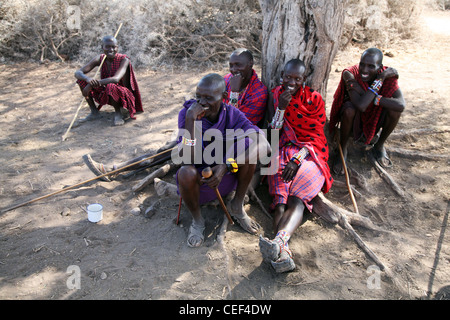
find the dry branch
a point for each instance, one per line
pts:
(386, 177)
(165, 189)
(332, 213)
(159, 173)
(325, 209)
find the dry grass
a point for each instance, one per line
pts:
(157, 32)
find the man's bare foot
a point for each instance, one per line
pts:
(238, 212)
(118, 120)
(381, 156)
(338, 167)
(125, 113)
(195, 237)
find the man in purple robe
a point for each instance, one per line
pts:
(232, 154)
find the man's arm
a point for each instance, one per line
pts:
(81, 74)
(361, 100)
(119, 74)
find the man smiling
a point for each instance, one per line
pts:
(207, 113)
(244, 89)
(298, 112)
(118, 85)
(367, 99)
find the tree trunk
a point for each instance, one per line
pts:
(305, 29)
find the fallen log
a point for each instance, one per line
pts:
(159, 173)
(165, 189)
(385, 176)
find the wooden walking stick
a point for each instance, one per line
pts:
(64, 137)
(84, 182)
(206, 173)
(347, 179)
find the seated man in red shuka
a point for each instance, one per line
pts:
(117, 87)
(298, 114)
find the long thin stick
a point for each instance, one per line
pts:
(64, 137)
(206, 173)
(347, 179)
(84, 182)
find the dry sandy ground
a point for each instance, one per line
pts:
(129, 256)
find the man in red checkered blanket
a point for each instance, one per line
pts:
(367, 99)
(118, 85)
(298, 112)
(245, 91)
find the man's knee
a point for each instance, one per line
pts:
(85, 91)
(394, 115)
(187, 175)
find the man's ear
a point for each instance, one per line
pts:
(224, 95)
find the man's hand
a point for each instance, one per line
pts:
(94, 83)
(218, 172)
(196, 111)
(236, 82)
(388, 73)
(284, 99)
(289, 171)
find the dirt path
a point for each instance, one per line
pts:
(128, 256)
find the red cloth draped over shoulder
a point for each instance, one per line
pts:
(371, 116)
(304, 120)
(127, 92)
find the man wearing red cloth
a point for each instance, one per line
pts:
(118, 85)
(298, 112)
(367, 99)
(245, 91)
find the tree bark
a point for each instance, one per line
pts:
(305, 29)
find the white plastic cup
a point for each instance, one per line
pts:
(95, 212)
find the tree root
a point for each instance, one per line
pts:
(386, 177)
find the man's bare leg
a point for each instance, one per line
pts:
(379, 151)
(95, 114)
(189, 186)
(236, 206)
(347, 118)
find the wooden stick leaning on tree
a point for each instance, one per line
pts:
(64, 137)
(84, 182)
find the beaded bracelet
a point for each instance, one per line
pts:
(373, 91)
(234, 98)
(232, 165)
(188, 142)
(377, 99)
(299, 156)
(277, 120)
(377, 84)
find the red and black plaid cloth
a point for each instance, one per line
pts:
(304, 120)
(252, 101)
(129, 97)
(371, 116)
